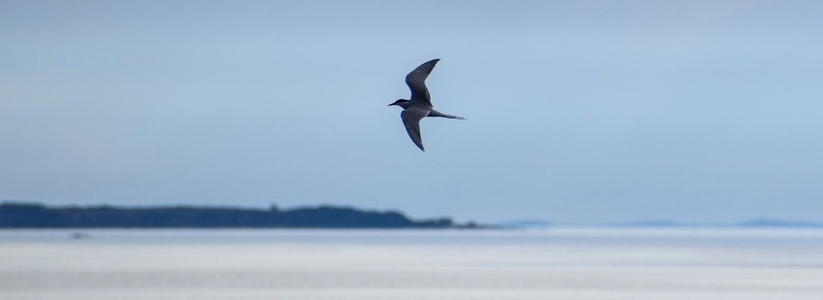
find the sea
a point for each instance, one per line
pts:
(545, 263)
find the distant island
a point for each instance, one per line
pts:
(779, 223)
(35, 215)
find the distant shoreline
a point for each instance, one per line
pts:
(27, 215)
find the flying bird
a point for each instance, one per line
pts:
(420, 105)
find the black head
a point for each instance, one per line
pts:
(399, 102)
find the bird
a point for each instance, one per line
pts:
(419, 105)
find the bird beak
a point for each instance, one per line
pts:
(390, 104)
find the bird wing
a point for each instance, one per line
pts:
(411, 119)
(417, 82)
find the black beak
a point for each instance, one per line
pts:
(390, 104)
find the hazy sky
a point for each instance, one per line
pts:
(578, 111)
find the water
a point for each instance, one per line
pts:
(398, 264)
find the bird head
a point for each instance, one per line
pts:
(400, 102)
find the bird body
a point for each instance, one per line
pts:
(419, 105)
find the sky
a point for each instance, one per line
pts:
(577, 111)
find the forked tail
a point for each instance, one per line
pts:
(434, 113)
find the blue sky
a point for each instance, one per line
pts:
(578, 111)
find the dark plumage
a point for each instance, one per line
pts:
(419, 106)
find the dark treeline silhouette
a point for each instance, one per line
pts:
(34, 215)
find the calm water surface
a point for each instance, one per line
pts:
(395, 264)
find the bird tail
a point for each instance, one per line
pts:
(434, 113)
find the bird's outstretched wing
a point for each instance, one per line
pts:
(417, 82)
(411, 119)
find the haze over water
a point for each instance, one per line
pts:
(579, 112)
(553, 263)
